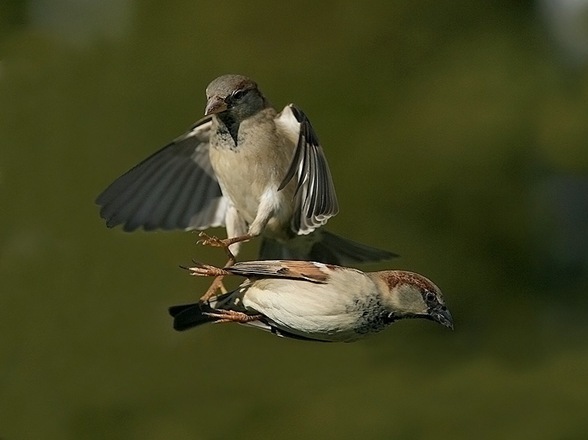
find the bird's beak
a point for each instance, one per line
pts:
(215, 104)
(442, 316)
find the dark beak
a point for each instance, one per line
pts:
(215, 104)
(442, 316)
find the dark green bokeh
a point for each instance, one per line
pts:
(457, 137)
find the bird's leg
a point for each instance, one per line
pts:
(217, 284)
(232, 316)
(206, 270)
(224, 243)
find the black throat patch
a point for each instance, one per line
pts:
(229, 126)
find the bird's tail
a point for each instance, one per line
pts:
(187, 316)
(324, 247)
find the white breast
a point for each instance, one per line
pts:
(250, 173)
(328, 312)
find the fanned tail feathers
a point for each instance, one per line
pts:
(324, 247)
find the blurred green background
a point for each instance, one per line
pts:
(456, 132)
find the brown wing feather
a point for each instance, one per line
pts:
(296, 270)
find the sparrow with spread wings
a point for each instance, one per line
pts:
(246, 167)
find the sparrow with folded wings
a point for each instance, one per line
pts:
(246, 167)
(315, 301)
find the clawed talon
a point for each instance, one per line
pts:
(210, 240)
(231, 316)
(207, 240)
(205, 270)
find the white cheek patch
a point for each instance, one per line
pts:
(410, 300)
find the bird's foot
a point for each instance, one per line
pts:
(232, 316)
(211, 240)
(207, 240)
(205, 270)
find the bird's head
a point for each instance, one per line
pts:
(235, 95)
(410, 295)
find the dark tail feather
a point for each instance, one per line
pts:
(324, 247)
(275, 250)
(190, 315)
(343, 252)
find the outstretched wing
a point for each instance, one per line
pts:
(175, 188)
(291, 269)
(316, 200)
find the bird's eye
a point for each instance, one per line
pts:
(430, 297)
(238, 94)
